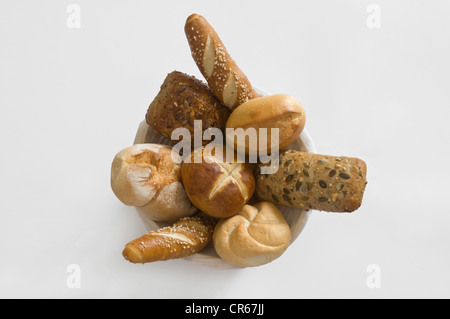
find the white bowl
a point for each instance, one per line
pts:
(296, 218)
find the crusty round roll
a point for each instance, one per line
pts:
(314, 181)
(181, 101)
(217, 187)
(257, 235)
(225, 78)
(146, 176)
(184, 238)
(280, 111)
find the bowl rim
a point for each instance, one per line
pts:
(208, 257)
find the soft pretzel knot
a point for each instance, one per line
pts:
(257, 235)
(225, 78)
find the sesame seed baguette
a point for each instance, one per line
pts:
(184, 238)
(225, 78)
(314, 181)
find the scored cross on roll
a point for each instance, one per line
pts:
(216, 186)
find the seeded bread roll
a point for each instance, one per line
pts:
(225, 78)
(314, 181)
(181, 100)
(184, 238)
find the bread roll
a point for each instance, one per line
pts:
(281, 111)
(145, 176)
(314, 181)
(225, 78)
(215, 186)
(181, 100)
(257, 235)
(186, 237)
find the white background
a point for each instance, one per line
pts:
(70, 99)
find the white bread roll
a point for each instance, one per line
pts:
(145, 176)
(280, 111)
(257, 235)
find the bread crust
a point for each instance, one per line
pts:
(257, 235)
(215, 186)
(145, 176)
(315, 181)
(184, 238)
(223, 75)
(280, 111)
(182, 99)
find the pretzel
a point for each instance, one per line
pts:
(225, 78)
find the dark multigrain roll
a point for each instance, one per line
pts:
(181, 100)
(314, 181)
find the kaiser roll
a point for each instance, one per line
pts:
(257, 235)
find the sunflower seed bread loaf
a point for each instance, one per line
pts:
(314, 181)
